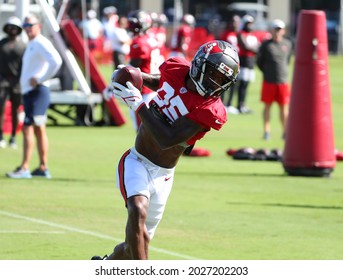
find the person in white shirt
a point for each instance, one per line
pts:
(41, 62)
(120, 42)
(109, 20)
(92, 29)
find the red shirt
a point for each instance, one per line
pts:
(252, 42)
(145, 48)
(174, 99)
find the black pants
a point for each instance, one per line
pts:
(242, 93)
(15, 97)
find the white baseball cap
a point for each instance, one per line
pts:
(110, 10)
(91, 14)
(278, 24)
(14, 21)
(247, 19)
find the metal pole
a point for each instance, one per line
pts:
(22, 8)
(340, 30)
(67, 56)
(85, 41)
(62, 11)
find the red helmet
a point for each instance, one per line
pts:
(139, 21)
(214, 68)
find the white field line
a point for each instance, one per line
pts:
(91, 233)
(32, 231)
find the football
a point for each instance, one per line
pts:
(128, 74)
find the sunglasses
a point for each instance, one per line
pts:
(28, 24)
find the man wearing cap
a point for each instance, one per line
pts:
(273, 59)
(11, 52)
(41, 62)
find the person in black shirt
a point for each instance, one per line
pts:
(273, 60)
(11, 52)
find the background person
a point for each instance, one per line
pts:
(186, 107)
(109, 20)
(182, 37)
(41, 62)
(158, 31)
(273, 60)
(93, 30)
(120, 42)
(248, 46)
(230, 36)
(11, 52)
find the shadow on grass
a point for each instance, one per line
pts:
(231, 174)
(290, 205)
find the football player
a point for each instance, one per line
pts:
(186, 107)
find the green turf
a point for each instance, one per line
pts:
(219, 208)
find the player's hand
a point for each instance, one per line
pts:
(129, 94)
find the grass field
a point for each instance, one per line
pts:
(219, 208)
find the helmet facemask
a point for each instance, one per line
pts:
(212, 81)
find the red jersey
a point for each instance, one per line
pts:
(145, 48)
(252, 42)
(174, 99)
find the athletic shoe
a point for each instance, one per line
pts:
(41, 173)
(98, 258)
(3, 144)
(12, 143)
(232, 110)
(266, 136)
(245, 110)
(19, 173)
